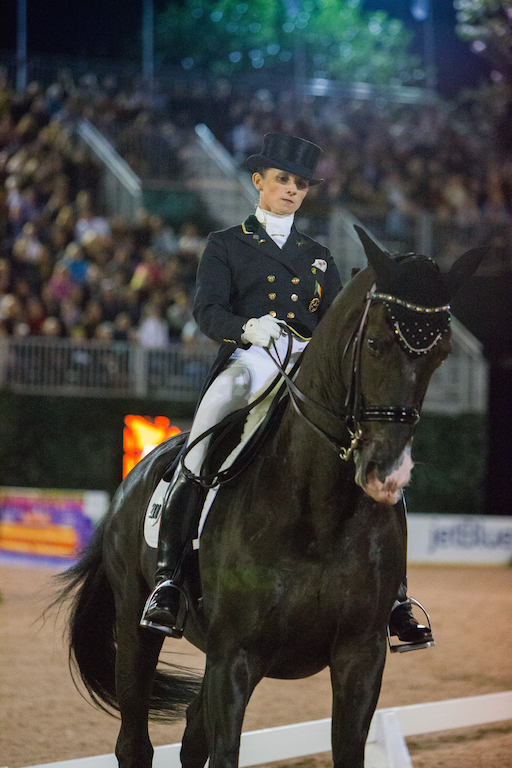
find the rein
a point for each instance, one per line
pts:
(355, 412)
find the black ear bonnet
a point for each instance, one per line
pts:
(417, 303)
(416, 293)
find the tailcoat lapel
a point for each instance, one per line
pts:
(254, 234)
(297, 245)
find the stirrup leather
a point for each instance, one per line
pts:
(400, 647)
(175, 631)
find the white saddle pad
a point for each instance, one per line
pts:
(154, 508)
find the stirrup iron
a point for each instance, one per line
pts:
(179, 625)
(403, 647)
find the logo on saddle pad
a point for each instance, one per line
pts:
(154, 513)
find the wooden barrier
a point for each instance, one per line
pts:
(385, 747)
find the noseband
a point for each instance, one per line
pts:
(356, 413)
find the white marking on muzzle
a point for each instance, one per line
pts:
(390, 490)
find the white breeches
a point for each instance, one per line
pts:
(248, 372)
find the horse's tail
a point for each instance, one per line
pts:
(91, 622)
(92, 639)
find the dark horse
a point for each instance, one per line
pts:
(301, 556)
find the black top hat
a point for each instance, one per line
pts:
(288, 153)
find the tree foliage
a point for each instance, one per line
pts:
(317, 38)
(487, 24)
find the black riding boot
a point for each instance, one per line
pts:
(402, 623)
(178, 525)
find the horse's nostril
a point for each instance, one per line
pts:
(372, 468)
(376, 469)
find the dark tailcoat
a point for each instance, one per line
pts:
(244, 274)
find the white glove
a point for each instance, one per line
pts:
(259, 331)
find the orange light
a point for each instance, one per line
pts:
(141, 434)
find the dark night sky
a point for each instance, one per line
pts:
(109, 29)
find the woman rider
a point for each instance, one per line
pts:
(252, 279)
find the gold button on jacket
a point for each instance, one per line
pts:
(243, 274)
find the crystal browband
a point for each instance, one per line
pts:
(407, 305)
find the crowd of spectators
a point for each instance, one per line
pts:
(399, 159)
(445, 158)
(448, 159)
(67, 270)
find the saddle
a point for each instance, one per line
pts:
(225, 436)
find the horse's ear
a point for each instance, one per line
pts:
(464, 268)
(381, 261)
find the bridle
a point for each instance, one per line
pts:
(355, 412)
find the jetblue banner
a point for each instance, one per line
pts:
(472, 539)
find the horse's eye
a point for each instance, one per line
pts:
(378, 346)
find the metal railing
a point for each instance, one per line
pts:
(120, 187)
(39, 366)
(424, 233)
(149, 144)
(460, 385)
(45, 69)
(226, 191)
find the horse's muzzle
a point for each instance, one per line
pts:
(383, 481)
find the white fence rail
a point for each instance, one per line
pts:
(385, 747)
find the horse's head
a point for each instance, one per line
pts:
(401, 337)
